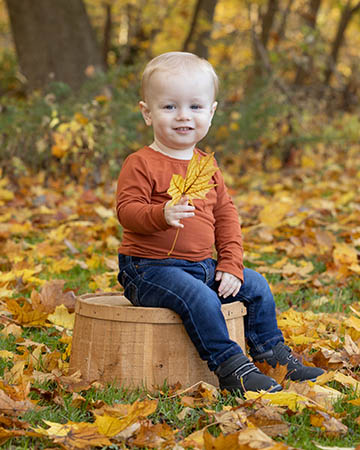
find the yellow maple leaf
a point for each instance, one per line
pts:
(295, 402)
(110, 425)
(196, 183)
(62, 317)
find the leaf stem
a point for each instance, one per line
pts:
(173, 245)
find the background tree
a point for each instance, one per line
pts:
(306, 63)
(53, 40)
(264, 22)
(347, 14)
(197, 39)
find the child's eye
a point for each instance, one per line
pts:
(195, 106)
(170, 107)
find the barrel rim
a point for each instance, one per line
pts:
(95, 306)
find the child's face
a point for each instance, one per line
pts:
(179, 106)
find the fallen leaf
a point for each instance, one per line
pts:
(74, 435)
(328, 424)
(61, 317)
(154, 436)
(231, 421)
(278, 372)
(228, 442)
(24, 314)
(52, 295)
(15, 408)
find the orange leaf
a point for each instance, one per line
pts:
(24, 314)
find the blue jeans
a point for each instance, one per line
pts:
(189, 288)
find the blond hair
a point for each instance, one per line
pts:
(174, 61)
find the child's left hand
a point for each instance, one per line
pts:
(229, 284)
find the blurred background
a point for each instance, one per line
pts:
(70, 70)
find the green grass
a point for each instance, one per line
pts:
(301, 435)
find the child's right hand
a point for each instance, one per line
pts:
(182, 210)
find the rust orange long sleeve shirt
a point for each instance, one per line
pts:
(141, 196)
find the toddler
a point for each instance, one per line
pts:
(178, 101)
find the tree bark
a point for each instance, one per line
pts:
(344, 21)
(107, 33)
(282, 27)
(260, 40)
(54, 40)
(268, 20)
(310, 18)
(197, 40)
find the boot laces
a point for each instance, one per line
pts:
(286, 351)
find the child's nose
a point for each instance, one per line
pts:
(183, 114)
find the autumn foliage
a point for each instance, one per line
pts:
(59, 240)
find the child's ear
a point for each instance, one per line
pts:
(146, 113)
(213, 109)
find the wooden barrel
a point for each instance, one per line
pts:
(135, 346)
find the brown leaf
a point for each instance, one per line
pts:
(14, 408)
(11, 329)
(231, 421)
(154, 436)
(269, 420)
(328, 424)
(52, 295)
(8, 434)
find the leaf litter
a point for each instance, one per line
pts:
(309, 219)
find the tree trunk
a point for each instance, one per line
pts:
(268, 20)
(54, 41)
(310, 19)
(345, 19)
(107, 33)
(198, 37)
(260, 41)
(282, 27)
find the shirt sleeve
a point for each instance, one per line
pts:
(228, 237)
(134, 206)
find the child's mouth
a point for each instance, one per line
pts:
(183, 129)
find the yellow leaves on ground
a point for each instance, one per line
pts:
(74, 435)
(24, 314)
(115, 420)
(61, 317)
(295, 402)
(272, 215)
(196, 183)
(306, 220)
(51, 298)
